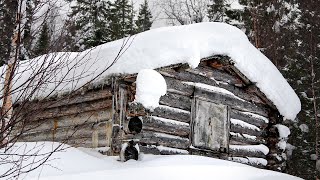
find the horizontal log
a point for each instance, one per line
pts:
(176, 101)
(217, 75)
(176, 86)
(239, 129)
(72, 109)
(207, 153)
(157, 139)
(65, 133)
(71, 120)
(77, 142)
(245, 139)
(161, 150)
(231, 101)
(172, 113)
(149, 150)
(209, 76)
(85, 142)
(257, 120)
(252, 161)
(188, 75)
(70, 99)
(168, 126)
(251, 97)
(246, 151)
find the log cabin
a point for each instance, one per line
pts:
(216, 108)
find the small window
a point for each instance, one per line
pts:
(210, 125)
(135, 125)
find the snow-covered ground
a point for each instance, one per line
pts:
(80, 163)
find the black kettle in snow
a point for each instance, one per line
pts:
(129, 150)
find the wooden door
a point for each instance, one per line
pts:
(210, 125)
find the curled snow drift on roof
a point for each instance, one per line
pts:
(171, 45)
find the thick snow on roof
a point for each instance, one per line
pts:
(162, 47)
(150, 87)
(82, 164)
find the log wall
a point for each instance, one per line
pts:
(167, 129)
(100, 117)
(81, 120)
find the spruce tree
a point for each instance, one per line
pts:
(144, 20)
(121, 19)
(27, 36)
(91, 23)
(8, 11)
(42, 45)
(217, 11)
(303, 72)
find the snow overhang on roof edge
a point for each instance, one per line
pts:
(159, 48)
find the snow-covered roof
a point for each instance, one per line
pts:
(159, 48)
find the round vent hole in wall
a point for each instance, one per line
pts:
(135, 125)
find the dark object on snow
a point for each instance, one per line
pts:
(135, 125)
(131, 152)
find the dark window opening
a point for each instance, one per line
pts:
(135, 125)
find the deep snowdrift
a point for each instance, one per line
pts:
(79, 164)
(162, 47)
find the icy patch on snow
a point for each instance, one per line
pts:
(150, 87)
(254, 148)
(244, 124)
(163, 47)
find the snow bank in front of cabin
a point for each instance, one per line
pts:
(162, 47)
(150, 86)
(83, 164)
(65, 160)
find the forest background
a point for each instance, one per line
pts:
(286, 31)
